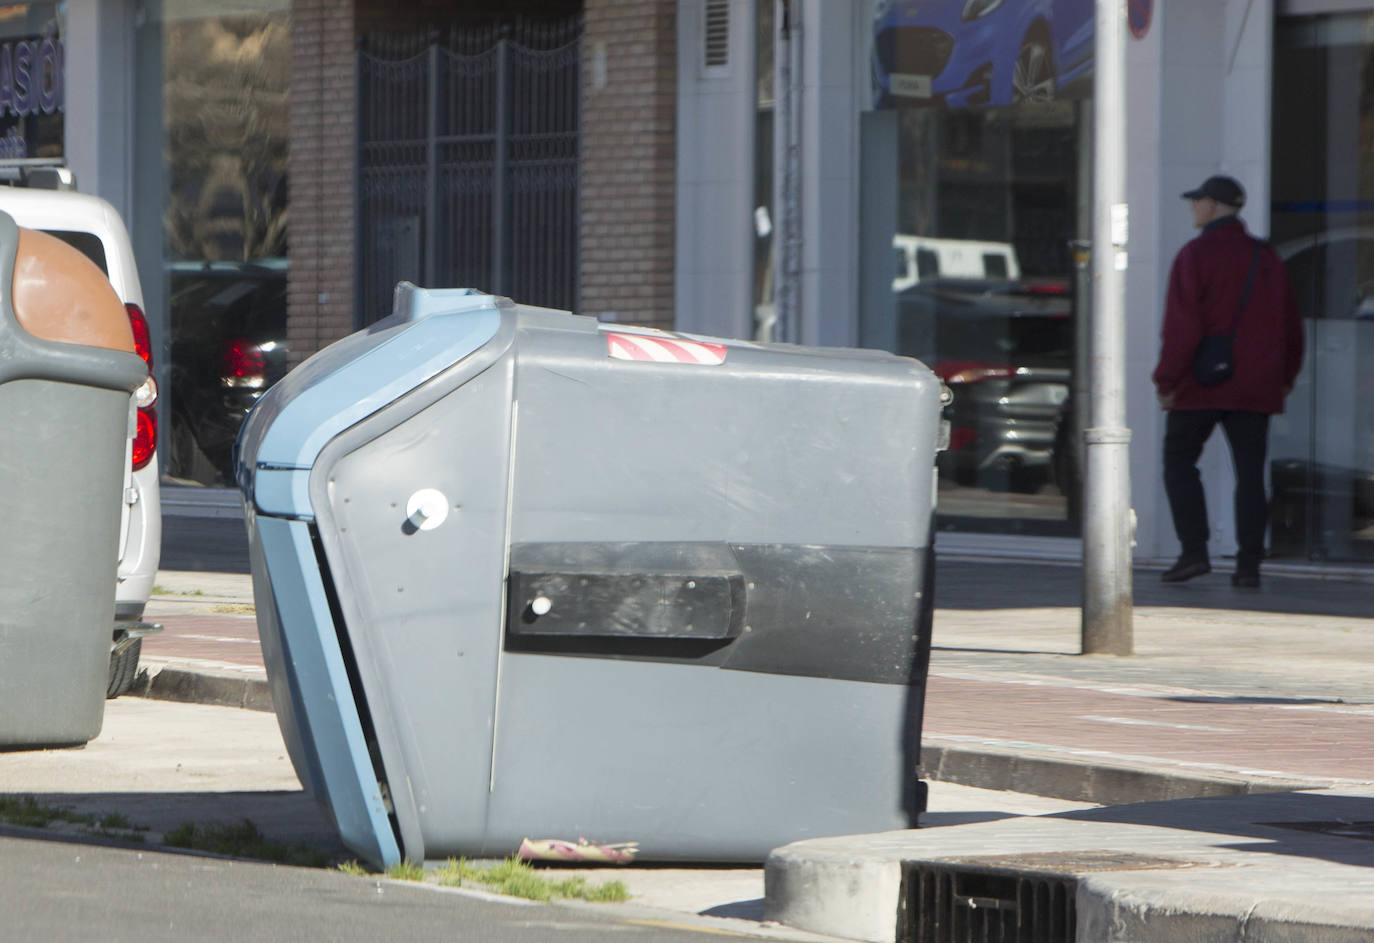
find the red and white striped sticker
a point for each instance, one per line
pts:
(664, 348)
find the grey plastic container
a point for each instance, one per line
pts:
(512, 584)
(67, 412)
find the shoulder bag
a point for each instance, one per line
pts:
(1213, 363)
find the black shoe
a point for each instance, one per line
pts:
(1242, 580)
(1186, 568)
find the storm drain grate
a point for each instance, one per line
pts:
(946, 903)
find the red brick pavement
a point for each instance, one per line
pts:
(1214, 735)
(1207, 735)
(231, 639)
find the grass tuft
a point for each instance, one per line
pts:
(242, 841)
(516, 878)
(30, 813)
(406, 871)
(352, 867)
(234, 609)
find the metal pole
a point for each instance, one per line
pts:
(362, 316)
(431, 207)
(1107, 603)
(500, 189)
(788, 234)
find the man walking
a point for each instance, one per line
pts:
(1224, 282)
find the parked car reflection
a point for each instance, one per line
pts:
(968, 53)
(228, 347)
(1005, 347)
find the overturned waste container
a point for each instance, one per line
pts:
(67, 372)
(520, 575)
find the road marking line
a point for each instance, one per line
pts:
(1136, 722)
(214, 638)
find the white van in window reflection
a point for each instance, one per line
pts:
(921, 257)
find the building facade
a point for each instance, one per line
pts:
(882, 173)
(928, 189)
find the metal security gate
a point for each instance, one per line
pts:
(468, 171)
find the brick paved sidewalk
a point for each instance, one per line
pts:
(1091, 721)
(222, 640)
(1194, 734)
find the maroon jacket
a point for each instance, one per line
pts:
(1205, 285)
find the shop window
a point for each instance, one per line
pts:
(979, 135)
(215, 89)
(1322, 446)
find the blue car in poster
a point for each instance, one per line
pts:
(972, 53)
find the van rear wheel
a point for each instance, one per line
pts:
(123, 670)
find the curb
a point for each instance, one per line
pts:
(857, 893)
(218, 688)
(1061, 776)
(1055, 775)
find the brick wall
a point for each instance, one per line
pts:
(628, 160)
(628, 177)
(319, 283)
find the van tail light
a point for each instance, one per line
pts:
(242, 365)
(145, 442)
(143, 344)
(145, 439)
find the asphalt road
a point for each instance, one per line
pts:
(67, 890)
(204, 544)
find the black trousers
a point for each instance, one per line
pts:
(1247, 433)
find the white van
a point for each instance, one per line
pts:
(92, 225)
(920, 257)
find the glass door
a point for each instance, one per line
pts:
(1322, 448)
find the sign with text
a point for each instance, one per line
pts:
(32, 82)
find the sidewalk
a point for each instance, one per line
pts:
(1275, 691)
(1230, 693)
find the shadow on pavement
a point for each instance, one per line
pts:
(739, 910)
(1335, 828)
(943, 819)
(983, 585)
(288, 817)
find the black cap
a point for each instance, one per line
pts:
(1222, 189)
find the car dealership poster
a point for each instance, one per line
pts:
(32, 81)
(981, 53)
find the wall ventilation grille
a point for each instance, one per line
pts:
(717, 34)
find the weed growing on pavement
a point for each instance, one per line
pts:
(242, 841)
(164, 591)
(406, 871)
(234, 609)
(517, 878)
(30, 813)
(353, 868)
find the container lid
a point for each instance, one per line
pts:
(60, 319)
(348, 381)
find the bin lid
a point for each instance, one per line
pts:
(60, 319)
(427, 332)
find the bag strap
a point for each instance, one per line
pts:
(1249, 283)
